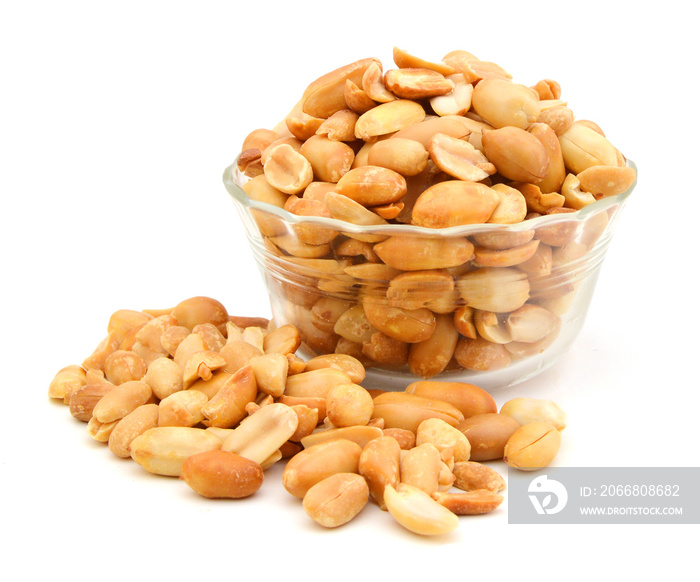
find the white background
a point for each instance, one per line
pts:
(117, 121)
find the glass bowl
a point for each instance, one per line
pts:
(489, 304)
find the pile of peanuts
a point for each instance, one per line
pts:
(214, 399)
(430, 144)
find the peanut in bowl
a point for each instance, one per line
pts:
(489, 304)
(434, 220)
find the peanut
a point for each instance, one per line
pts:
(220, 474)
(337, 499)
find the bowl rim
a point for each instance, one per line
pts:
(233, 179)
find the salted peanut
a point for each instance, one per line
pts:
(459, 158)
(388, 118)
(262, 433)
(488, 434)
(147, 343)
(163, 450)
(502, 240)
(491, 326)
(527, 410)
(302, 125)
(524, 349)
(533, 446)
(249, 162)
(405, 325)
(385, 350)
(283, 340)
(409, 253)
(405, 156)
(499, 289)
(359, 434)
(372, 185)
(259, 189)
(503, 103)
(348, 404)
(431, 356)
(270, 372)
(536, 199)
(511, 207)
(316, 402)
(373, 84)
(405, 437)
(540, 264)
(182, 408)
(354, 325)
(417, 511)
(307, 420)
(603, 181)
(574, 197)
(356, 98)
(340, 126)
(444, 437)
(583, 147)
(547, 89)
(198, 310)
(289, 140)
(82, 401)
(316, 463)
(420, 467)
(132, 425)
(96, 360)
(315, 383)
(67, 381)
(485, 257)
(172, 337)
(464, 321)
(455, 126)
(556, 171)
(238, 354)
(227, 407)
(343, 362)
(480, 355)
(473, 476)
(329, 159)
(558, 118)
(213, 338)
(164, 376)
(467, 398)
(326, 95)
(517, 154)
(189, 346)
(530, 323)
(219, 474)
(351, 247)
(458, 102)
(379, 464)
(389, 211)
(454, 202)
(201, 365)
(326, 312)
(259, 139)
(318, 190)
(476, 502)
(560, 233)
(337, 499)
(121, 400)
(124, 320)
(407, 411)
(100, 431)
(344, 208)
(475, 70)
(254, 336)
(417, 83)
(406, 60)
(287, 170)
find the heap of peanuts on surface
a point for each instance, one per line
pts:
(435, 145)
(214, 399)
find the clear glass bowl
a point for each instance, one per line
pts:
(377, 292)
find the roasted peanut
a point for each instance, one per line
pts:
(488, 434)
(337, 499)
(417, 511)
(163, 450)
(220, 474)
(532, 446)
